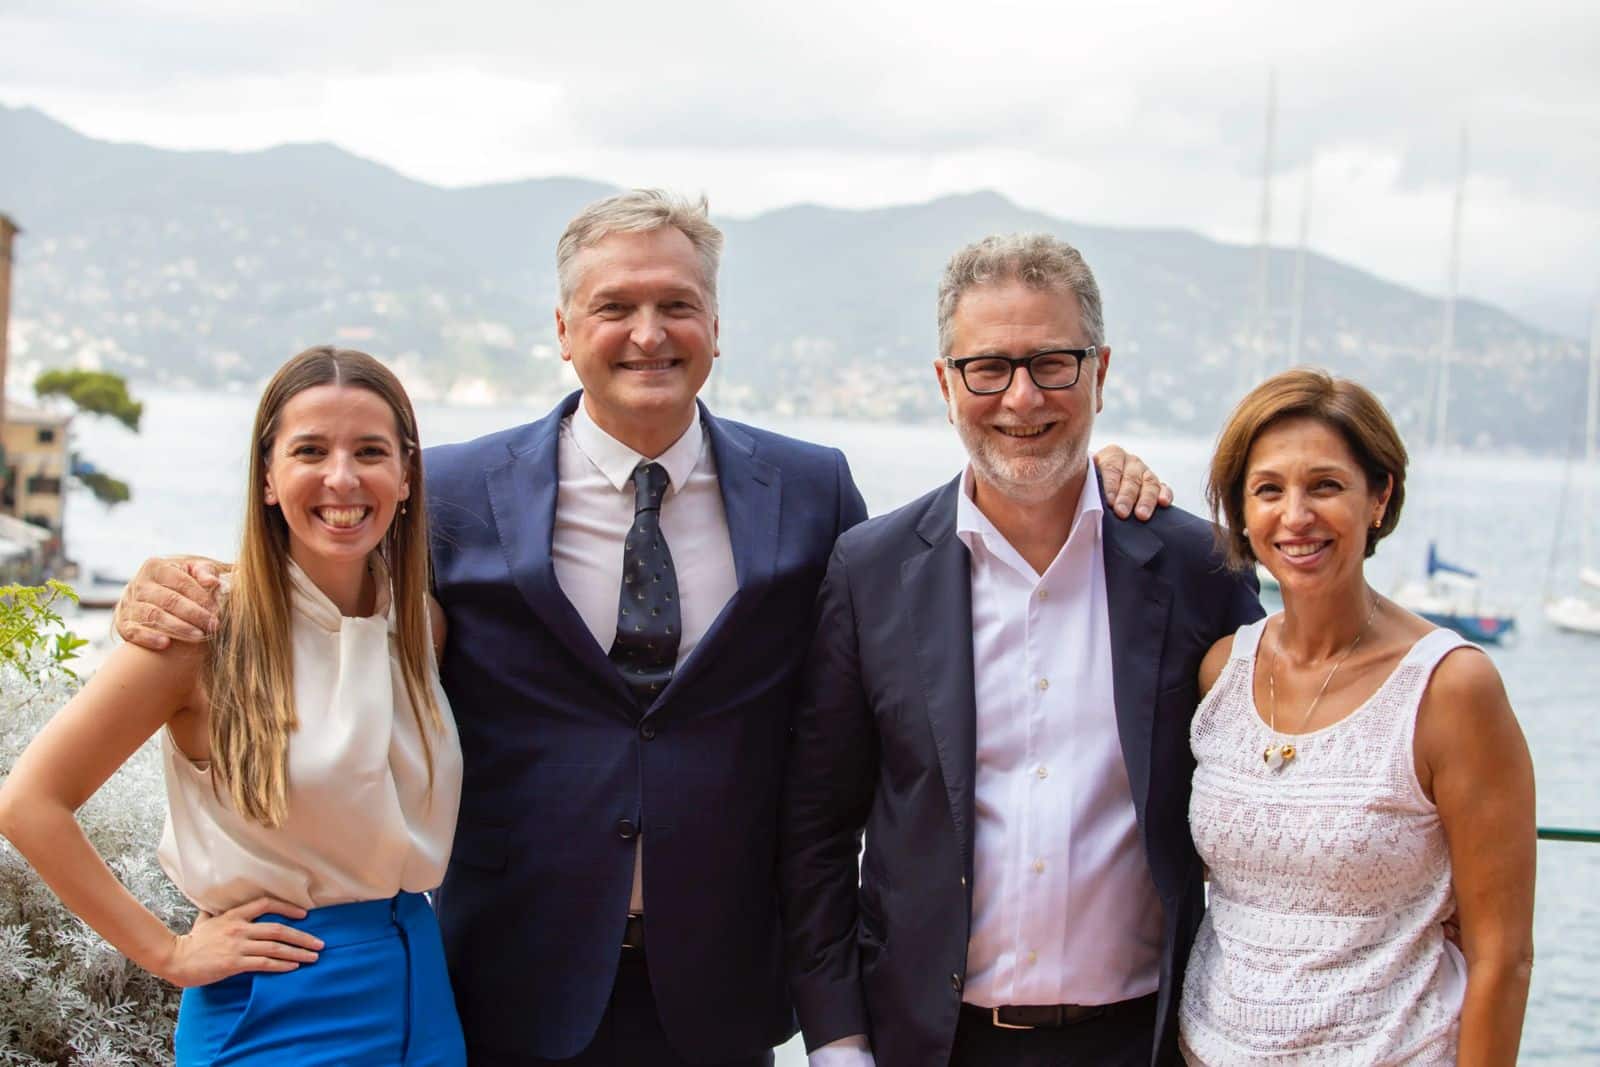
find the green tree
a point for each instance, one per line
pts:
(95, 392)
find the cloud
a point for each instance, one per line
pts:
(1137, 113)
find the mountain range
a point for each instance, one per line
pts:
(209, 268)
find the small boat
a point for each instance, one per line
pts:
(1449, 596)
(1579, 611)
(1269, 584)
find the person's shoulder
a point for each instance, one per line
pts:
(773, 447)
(1466, 677)
(1181, 529)
(904, 525)
(470, 458)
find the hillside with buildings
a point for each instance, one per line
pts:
(210, 268)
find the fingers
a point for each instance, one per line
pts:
(204, 571)
(1110, 461)
(166, 598)
(262, 905)
(268, 964)
(290, 938)
(1150, 488)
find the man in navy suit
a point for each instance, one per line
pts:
(629, 585)
(998, 693)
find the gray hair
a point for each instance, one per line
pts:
(639, 211)
(1037, 260)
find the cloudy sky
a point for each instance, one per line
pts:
(1129, 112)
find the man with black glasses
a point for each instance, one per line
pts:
(998, 692)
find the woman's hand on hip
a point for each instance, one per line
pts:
(220, 946)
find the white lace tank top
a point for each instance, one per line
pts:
(1322, 941)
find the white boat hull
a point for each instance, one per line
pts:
(1575, 613)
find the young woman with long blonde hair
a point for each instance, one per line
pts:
(312, 767)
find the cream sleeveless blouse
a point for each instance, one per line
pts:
(1322, 941)
(362, 822)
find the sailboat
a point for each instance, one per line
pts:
(1580, 612)
(1448, 595)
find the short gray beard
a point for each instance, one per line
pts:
(1029, 480)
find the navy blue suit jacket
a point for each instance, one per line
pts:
(885, 739)
(562, 765)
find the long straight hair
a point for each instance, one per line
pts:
(250, 673)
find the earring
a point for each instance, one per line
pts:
(402, 507)
(1377, 523)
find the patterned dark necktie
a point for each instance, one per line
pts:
(646, 648)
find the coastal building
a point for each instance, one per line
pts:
(33, 480)
(34, 461)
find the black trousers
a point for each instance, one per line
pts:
(630, 1033)
(1121, 1038)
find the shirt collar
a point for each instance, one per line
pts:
(974, 527)
(617, 461)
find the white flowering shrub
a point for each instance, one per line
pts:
(67, 997)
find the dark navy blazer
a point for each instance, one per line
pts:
(563, 767)
(885, 738)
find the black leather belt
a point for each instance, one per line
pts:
(1039, 1016)
(633, 934)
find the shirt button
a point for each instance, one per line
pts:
(1044, 683)
(1038, 866)
(648, 731)
(1043, 772)
(1033, 957)
(963, 880)
(1044, 594)
(626, 830)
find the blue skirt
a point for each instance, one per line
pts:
(378, 995)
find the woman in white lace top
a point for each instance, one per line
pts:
(1360, 776)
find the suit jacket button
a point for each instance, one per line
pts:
(955, 982)
(626, 830)
(648, 731)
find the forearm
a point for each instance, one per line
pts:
(1491, 1014)
(49, 837)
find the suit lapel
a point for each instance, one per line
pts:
(751, 493)
(522, 496)
(938, 587)
(1138, 601)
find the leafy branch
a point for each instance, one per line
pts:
(34, 638)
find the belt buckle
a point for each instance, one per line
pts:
(994, 1017)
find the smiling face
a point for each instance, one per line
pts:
(641, 331)
(1027, 444)
(337, 473)
(1308, 506)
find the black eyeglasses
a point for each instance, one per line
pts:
(1058, 368)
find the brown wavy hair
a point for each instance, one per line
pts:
(1340, 404)
(249, 675)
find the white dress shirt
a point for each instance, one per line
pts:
(594, 511)
(1064, 908)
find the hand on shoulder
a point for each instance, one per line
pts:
(170, 599)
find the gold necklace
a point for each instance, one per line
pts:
(1276, 755)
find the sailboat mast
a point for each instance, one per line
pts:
(1448, 342)
(1590, 427)
(1264, 233)
(1297, 323)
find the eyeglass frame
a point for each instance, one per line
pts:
(1080, 354)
